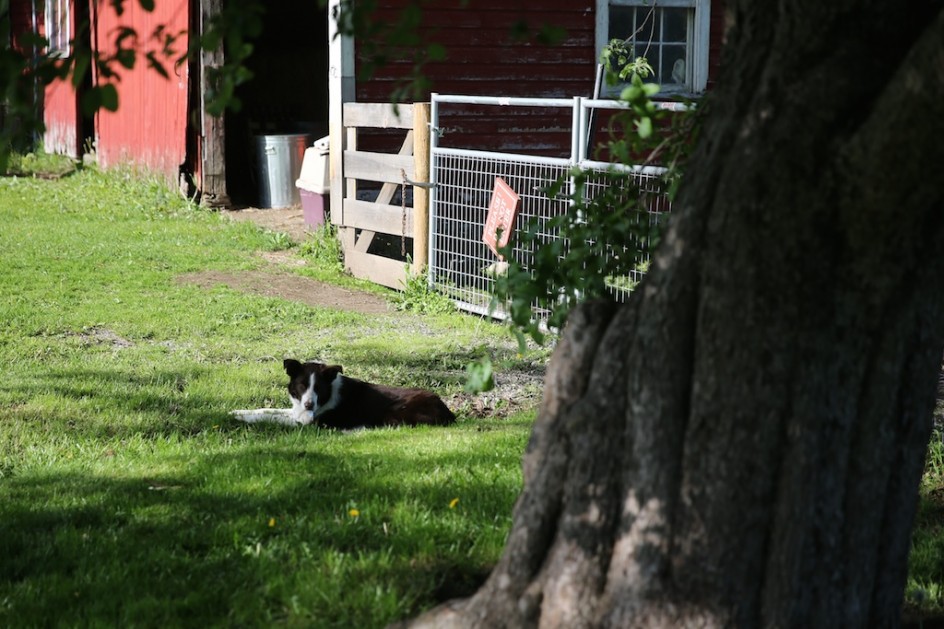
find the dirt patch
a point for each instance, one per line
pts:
(291, 287)
(274, 283)
(288, 221)
(515, 389)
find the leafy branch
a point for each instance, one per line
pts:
(604, 238)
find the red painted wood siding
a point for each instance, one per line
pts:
(61, 117)
(60, 105)
(715, 40)
(483, 59)
(149, 128)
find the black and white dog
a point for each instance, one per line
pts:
(322, 395)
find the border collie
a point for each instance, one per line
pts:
(321, 394)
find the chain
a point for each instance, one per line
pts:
(403, 218)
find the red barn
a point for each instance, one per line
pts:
(301, 76)
(499, 48)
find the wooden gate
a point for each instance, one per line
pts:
(359, 221)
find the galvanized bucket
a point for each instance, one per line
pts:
(279, 163)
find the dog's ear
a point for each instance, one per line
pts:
(331, 372)
(292, 367)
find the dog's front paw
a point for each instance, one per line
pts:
(304, 418)
(250, 417)
(266, 415)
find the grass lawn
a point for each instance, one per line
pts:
(128, 497)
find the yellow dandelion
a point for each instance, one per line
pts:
(353, 513)
(271, 522)
(453, 503)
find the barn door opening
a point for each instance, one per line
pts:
(288, 93)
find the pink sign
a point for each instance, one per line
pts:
(502, 212)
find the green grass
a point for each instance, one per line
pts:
(924, 593)
(39, 164)
(129, 497)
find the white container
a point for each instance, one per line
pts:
(314, 183)
(315, 175)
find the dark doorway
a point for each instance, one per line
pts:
(287, 94)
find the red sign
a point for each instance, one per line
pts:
(502, 212)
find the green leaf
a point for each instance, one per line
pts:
(436, 52)
(551, 35)
(644, 127)
(479, 376)
(83, 59)
(211, 40)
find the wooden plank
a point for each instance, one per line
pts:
(364, 241)
(377, 166)
(350, 185)
(378, 115)
(346, 235)
(341, 89)
(387, 219)
(389, 189)
(377, 269)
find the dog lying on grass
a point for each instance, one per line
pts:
(322, 395)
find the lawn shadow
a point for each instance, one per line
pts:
(239, 537)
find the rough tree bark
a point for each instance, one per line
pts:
(741, 444)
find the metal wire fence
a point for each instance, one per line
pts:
(461, 265)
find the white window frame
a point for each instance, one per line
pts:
(58, 20)
(699, 31)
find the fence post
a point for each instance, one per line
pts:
(420, 193)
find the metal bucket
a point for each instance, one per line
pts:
(279, 163)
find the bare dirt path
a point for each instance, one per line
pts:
(271, 283)
(275, 283)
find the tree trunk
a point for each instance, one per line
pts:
(741, 444)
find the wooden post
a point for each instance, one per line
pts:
(420, 193)
(340, 91)
(213, 134)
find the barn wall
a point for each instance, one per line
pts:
(715, 41)
(61, 116)
(483, 59)
(60, 105)
(149, 128)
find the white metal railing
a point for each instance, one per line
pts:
(460, 264)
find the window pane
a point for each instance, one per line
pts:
(647, 25)
(57, 25)
(621, 23)
(660, 35)
(673, 65)
(676, 25)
